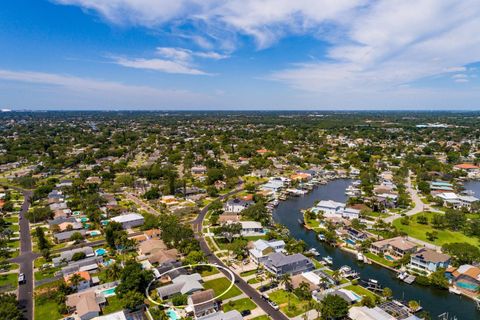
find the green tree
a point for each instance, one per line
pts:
(333, 307)
(9, 307)
(132, 300)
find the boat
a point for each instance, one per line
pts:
(360, 257)
(321, 237)
(402, 275)
(373, 281)
(327, 260)
(313, 251)
(454, 290)
(409, 279)
(301, 222)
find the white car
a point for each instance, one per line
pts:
(21, 278)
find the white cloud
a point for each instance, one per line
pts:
(94, 92)
(161, 65)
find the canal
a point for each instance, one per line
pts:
(434, 301)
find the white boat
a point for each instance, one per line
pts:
(373, 281)
(454, 290)
(321, 237)
(360, 257)
(328, 260)
(313, 251)
(402, 275)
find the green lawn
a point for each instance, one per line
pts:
(8, 282)
(114, 304)
(45, 274)
(209, 272)
(264, 317)
(253, 281)
(220, 285)
(296, 307)
(361, 291)
(418, 231)
(378, 259)
(46, 309)
(239, 305)
(248, 273)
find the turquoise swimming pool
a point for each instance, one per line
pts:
(100, 252)
(390, 258)
(172, 314)
(467, 285)
(109, 292)
(95, 233)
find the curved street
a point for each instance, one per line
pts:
(243, 285)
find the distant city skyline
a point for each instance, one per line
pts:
(240, 55)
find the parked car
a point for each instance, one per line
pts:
(21, 278)
(273, 305)
(245, 313)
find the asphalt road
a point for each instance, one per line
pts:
(25, 259)
(243, 285)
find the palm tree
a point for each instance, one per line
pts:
(75, 280)
(286, 280)
(271, 277)
(336, 275)
(114, 271)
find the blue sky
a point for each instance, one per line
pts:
(239, 54)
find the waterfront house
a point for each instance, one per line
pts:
(429, 260)
(471, 169)
(354, 235)
(236, 205)
(280, 264)
(251, 228)
(365, 313)
(273, 185)
(345, 294)
(202, 303)
(349, 213)
(129, 220)
(328, 207)
(465, 277)
(398, 246)
(262, 248)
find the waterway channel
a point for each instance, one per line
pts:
(435, 301)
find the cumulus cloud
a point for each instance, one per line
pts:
(374, 46)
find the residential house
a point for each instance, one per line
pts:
(366, 313)
(65, 236)
(129, 220)
(199, 170)
(328, 207)
(466, 277)
(66, 256)
(280, 264)
(345, 294)
(203, 303)
(85, 282)
(429, 260)
(261, 249)
(220, 315)
(251, 228)
(298, 279)
(86, 305)
(236, 205)
(471, 169)
(398, 246)
(354, 236)
(184, 284)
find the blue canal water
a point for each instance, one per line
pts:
(433, 300)
(473, 185)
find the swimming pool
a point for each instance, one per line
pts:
(100, 252)
(172, 314)
(467, 285)
(390, 258)
(108, 292)
(350, 241)
(95, 233)
(84, 219)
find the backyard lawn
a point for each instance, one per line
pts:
(361, 291)
(46, 308)
(114, 304)
(281, 298)
(378, 259)
(417, 230)
(220, 285)
(239, 305)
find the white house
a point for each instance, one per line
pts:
(251, 228)
(236, 205)
(328, 207)
(261, 249)
(349, 213)
(129, 220)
